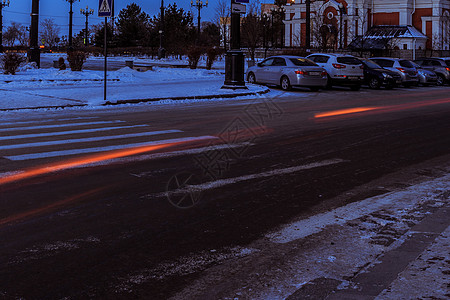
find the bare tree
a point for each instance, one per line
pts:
(49, 33)
(361, 18)
(323, 35)
(23, 36)
(252, 28)
(222, 19)
(11, 34)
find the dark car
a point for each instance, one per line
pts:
(375, 76)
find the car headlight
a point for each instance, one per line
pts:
(386, 75)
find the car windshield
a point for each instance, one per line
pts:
(348, 60)
(406, 64)
(417, 66)
(371, 64)
(302, 62)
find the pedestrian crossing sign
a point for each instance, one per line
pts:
(105, 8)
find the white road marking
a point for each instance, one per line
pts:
(60, 125)
(89, 139)
(46, 121)
(35, 135)
(103, 149)
(223, 182)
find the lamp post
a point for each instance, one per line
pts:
(280, 13)
(308, 25)
(161, 50)
(3, 3)
(341, 15)
(199, 5)
(86, 12)
(265, 19)
(34, 52)
(70, 22)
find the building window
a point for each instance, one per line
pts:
(405, 46)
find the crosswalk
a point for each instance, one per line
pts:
(65, 137)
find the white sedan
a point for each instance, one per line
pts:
(288, 71)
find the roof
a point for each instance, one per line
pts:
(378, 37)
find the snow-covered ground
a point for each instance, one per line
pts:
(46, 87)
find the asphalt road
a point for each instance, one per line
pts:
(215, 175)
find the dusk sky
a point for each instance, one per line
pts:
(19, 11)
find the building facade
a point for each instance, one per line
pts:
(348, 19)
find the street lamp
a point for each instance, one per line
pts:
(70, 22)
(342, 11)
(265, 19)
(308, 25)
(87, 12)
(34, 54)
(3, 3)
(161, 50)
(199, 5)
(280, 12)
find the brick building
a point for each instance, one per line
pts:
(429, 17)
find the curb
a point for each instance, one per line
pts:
(134, 101)
(59, 80)
(43, 107)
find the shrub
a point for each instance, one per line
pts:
(212, 54)
(61, 64)
(76, 60)
(194, 53)
(11, 61)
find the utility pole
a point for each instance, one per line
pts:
(199, 5)
(34, 52)
(308, 25)
(3, 3)
(70, 23)
(161, 50)
(86, 12)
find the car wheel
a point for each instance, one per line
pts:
(314, 88)
(329, 84)
(440, 80)
(285, 83)
(374, 83)
(407, 85)
(251, 78)
(355, 87)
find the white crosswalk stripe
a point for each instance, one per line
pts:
(42, 139)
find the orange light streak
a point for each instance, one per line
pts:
(40, 210)
(80, 162)
(345, 112)
(381, 109)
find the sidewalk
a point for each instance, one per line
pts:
(51, 88)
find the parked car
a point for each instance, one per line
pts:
(403, 67)
(375, 76)
(426, 77)
(441, 66)
(343, 70)
(288, 71)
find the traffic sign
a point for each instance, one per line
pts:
(238, 8)
(105, 8)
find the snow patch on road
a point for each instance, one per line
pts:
(406, 199)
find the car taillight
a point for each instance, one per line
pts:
(300, 72)
(324, 73)
(339, 66)
(401, 70)
(448, 69)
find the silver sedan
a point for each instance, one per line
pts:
(288, 71)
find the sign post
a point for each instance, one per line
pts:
(105, 9)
